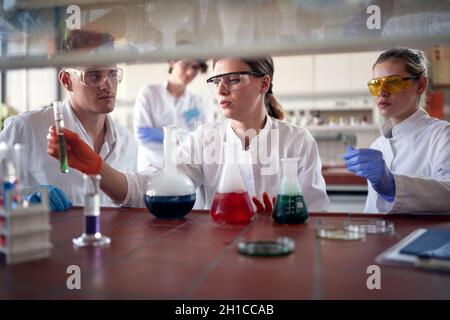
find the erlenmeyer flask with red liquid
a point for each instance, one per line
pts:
(231, 202)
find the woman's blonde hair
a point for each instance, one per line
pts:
(415, 61)
(265, 65)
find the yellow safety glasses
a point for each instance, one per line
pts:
(391, 84)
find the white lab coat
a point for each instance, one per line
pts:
(259, 165)
(31, 129)
(155, 107)
(417, 151)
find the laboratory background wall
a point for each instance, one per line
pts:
(325, 93)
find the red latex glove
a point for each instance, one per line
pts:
(268, 205)
(80, 154)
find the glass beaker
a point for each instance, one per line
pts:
(337, 230)
(231, 201)
(370, 226)
(7, 170)
(231, 14)
(14, 172)
(91, 236)
(170, 194)
(290, 207)
(170, 17)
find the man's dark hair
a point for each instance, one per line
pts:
(202, 63)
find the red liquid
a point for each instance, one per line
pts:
(232, 207)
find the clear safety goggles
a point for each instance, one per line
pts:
(97, 77)
(232, 81)
(391, 84)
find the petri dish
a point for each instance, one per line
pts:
(370, 226)
(337, 231)
(267, 248)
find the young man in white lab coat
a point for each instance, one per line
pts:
(408, 167)
(91, 94)
(169, 103)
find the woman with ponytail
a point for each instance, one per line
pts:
(253, 123)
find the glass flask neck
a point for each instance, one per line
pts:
(231, 179)
(91, 194)
(92, 183)
(289, 180)
(169, 149)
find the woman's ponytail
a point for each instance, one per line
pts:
(273, 106)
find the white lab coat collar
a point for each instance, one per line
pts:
(165, 86)
(405, 127)
(230, 135)
(248, 158)
(110, 137)
(71, 120)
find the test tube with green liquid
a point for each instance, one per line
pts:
(62, 151)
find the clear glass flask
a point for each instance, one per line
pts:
(91, 236)
(7, 171)
(13, 172)
(231, 201)
(169, 17)
(22, 187)
(290, 207)
(170, 194)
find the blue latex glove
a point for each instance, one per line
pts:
(369, 163)
(57, 198)
(147, 134)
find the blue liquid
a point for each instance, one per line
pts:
(9, 187)
(91, 224)
(169, 207)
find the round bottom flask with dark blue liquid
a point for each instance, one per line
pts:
(170, 194)
(169, 207)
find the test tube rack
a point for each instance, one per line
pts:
(24, 230)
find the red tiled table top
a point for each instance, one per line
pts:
(342, 176)
(196, 258)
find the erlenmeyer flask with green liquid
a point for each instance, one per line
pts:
(290, 207)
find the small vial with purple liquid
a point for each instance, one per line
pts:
(91, 236)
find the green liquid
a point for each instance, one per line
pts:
(62, 154)
(290, 209)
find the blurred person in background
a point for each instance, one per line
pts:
(169, 103)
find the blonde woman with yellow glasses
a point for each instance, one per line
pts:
(408, 167)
